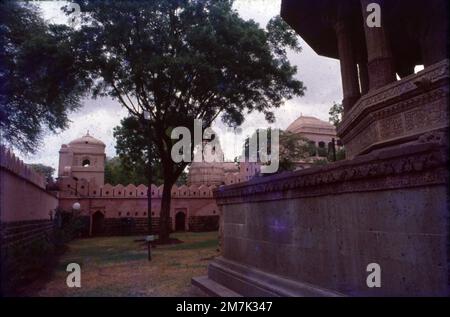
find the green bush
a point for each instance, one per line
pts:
(69, 225)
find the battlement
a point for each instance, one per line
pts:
(82, 188)
(10, 162)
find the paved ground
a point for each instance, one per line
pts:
(118, 266)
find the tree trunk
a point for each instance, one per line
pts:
(164, 217)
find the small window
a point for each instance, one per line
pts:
(120, 214)
(214, 211)
(131, 193)
(136, 214)
(153, 213)
(145, 214)
(107, 192)
(95, 192)
(82, 187)
(142, 193)
(68, 185)
(86, 163)
(128, 213)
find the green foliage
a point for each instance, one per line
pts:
(46, 171)
(320, 162)
(340, 154)
(69, 225)
(41, 80)
(322, 152)
(135, 152)
(116, 173)
(335, 113)
(25, 263)
(292, 148)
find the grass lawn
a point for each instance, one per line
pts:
(118, 266)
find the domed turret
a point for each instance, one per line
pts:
(89, 143)
(83, 158)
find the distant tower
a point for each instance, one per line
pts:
(83, 158)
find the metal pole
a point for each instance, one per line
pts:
(334, 149)
(149, 194)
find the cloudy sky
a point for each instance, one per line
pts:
(320, 75)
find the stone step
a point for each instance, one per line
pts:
(213, 288)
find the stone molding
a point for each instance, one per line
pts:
(399, 111)
(406, 166)
(431, 74)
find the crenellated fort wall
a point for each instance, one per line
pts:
(115, 205)
(26, 207)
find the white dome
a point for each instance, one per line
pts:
(87, 140)
(306, 124)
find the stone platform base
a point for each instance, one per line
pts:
(224, 276)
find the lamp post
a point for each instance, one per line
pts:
(150, 237)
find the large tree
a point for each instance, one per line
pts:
(40, 78)
(172, 61)
(135, 158)
(135, 151)
(44, 170)
(335, 113)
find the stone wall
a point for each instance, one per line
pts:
(26, 207)
(314, 232)
(26, 228)
(119, 203)
(204, 223)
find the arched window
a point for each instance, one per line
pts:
(86, 163)
(321, 144)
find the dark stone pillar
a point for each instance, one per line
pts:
(434, 32)
(363, 77)
(349, 72)
(380, 63)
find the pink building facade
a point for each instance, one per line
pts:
(122, 209)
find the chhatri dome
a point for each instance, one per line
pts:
(86, 141)
(317, 131)
(308, 124)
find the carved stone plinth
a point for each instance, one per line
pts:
(399, 112)
(313, 232)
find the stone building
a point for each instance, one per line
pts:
(316, 232)
(319, 133)
(83, 158)
(122, 209)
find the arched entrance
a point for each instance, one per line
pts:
(97, 223)
(180, 220)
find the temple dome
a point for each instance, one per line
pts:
(307, 124)
(87, 140)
